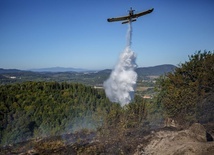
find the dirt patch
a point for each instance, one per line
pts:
(192, 141)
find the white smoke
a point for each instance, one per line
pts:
(121, 84)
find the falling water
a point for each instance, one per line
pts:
(121, 84)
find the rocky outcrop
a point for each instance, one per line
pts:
(192, 141)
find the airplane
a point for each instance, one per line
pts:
(131, 17)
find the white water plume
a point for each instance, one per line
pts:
(121, 84)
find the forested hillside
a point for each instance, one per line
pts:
(187, 94)
(34, 109)
(39, 109)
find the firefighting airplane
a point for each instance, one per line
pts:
(131, 17)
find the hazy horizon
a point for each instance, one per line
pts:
(59, 67)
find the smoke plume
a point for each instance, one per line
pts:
(121, 84)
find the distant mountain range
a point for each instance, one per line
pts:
(58, 69)
(84, 76)
(145, 71)
(155, 70)
(149, 71)
(3, 71)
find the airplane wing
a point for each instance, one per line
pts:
(142, 13)
(118, 19)
(130, 16)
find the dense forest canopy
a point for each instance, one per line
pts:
(38, 109)
(47, 108)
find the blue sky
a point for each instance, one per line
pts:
(69, 33)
